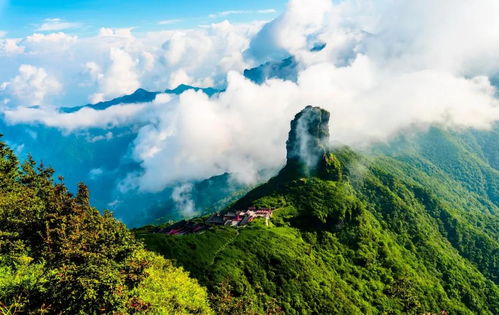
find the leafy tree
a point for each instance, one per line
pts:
(60, 255)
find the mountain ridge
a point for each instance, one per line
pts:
(383, 236)
(141, 96)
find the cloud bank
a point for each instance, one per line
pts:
(386, 66)
(30, 86)
(240, 12)
(118, 61)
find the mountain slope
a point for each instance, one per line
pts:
(395, 231)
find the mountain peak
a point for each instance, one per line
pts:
(307, 147)
(308, 138)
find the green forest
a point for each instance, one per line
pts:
(410, 227)
(407, 228)
(60, 255)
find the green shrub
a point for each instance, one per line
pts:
(60, 255)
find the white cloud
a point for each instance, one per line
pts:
(46, 44)
(387, 66)
(3, 33)
(120, 77)
(114, 116)
(10, 47)
(291, 32)
(267, 11)
(205, 55)
(375, 84)
(30, 86)
(179, 77)
(115, 61)
(168, 22)
(244, 130)
(116, 32)
(241, 12)
(56, 24)
(94, 71)
(182, 196)
(84, 118)
(53, 38)
(95, 173)
(107, 136)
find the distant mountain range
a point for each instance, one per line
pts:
(140, 96)
(285, 69)
(102, 161)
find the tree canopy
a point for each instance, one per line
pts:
(59, 254)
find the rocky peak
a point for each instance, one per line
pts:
(307, 147)
(308, 138)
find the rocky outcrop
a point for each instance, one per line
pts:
(307, 147)
(308, 138)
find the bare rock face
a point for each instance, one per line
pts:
(307, 147)
(308, 139)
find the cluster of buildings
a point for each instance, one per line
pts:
(232, 218)
(240, 217)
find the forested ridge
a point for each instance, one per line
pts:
(409, 227)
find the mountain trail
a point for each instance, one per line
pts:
(223, 247)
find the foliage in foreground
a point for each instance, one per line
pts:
(58, 254)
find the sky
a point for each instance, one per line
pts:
(388, 66)
(84, 17)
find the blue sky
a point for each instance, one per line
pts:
(23, 17)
